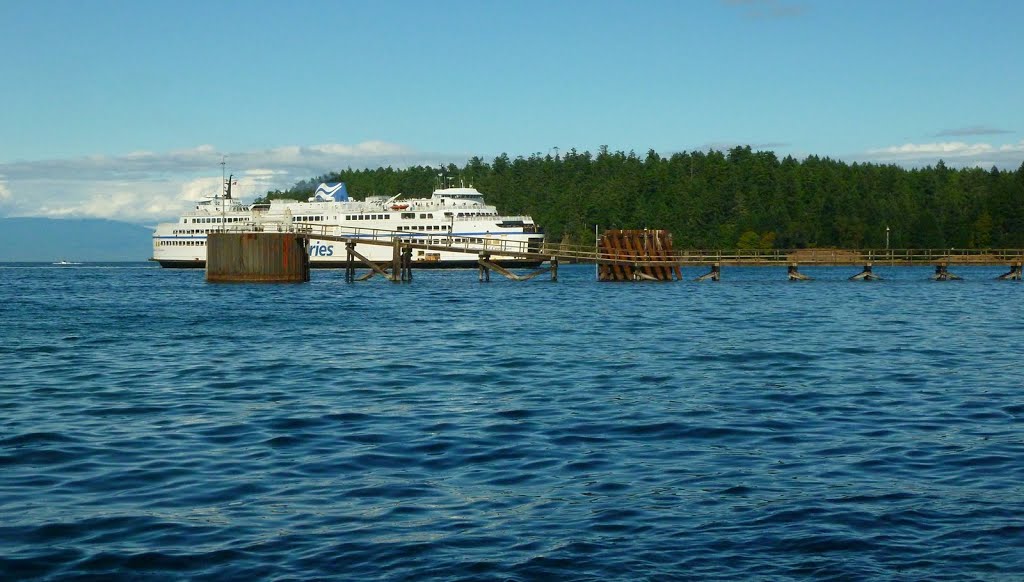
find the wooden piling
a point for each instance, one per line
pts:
(636, 255)
(407, 263)
(350, 267)
(256, 258)
(485, 273)
(396, 260)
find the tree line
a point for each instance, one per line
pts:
(740, 198)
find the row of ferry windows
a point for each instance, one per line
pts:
(217, 219)
(202, 243)
(428, 227)
(441, 241)
(320, 218)
(194, 231)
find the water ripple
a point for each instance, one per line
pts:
(153, 427)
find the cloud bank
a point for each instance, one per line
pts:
(148, 187)
(957, 153)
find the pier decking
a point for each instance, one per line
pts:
(623, 255)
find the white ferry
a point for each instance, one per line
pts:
(453, 217)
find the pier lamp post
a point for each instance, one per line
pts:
(887, 238)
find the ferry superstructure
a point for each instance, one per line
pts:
(455, 217)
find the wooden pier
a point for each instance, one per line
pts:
(629, 255)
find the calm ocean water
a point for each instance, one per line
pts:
(156, 426)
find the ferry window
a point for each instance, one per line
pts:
(408, 215)
(423, 215)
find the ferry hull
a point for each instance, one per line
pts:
(172, 264)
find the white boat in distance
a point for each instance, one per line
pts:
(455, 217)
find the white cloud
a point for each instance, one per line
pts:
(957, 153)
(144, 186)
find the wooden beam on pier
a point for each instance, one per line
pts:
(350, 271)
(866, 275)
(795, 274)
(1014, 274)
(486, 265)
(714, 275)
(942, 273)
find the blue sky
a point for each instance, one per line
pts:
(123, 109)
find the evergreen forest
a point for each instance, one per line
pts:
(737, 199)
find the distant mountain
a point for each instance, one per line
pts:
(73, 239)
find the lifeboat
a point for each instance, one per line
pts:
(399, 206)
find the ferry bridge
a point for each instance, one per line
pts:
(621, 255)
